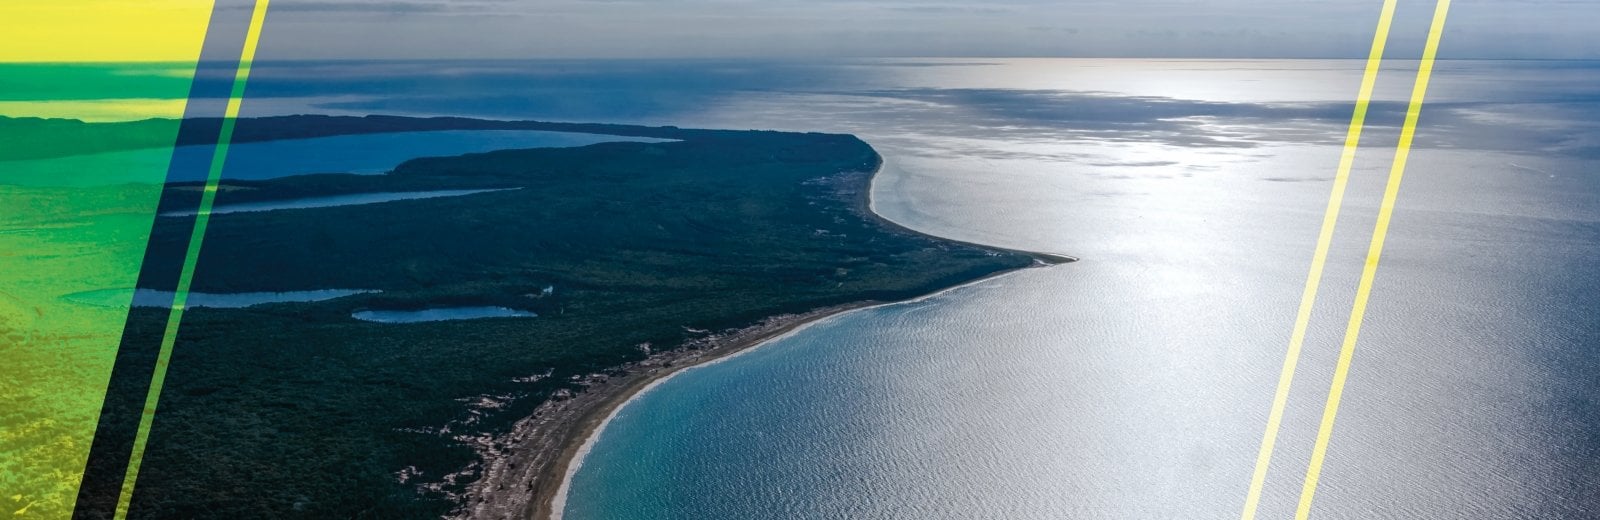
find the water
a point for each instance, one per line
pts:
(1136, 382)
(329, 201)
(359, 154)
(379, 153)
(155, 298)
(440, 314)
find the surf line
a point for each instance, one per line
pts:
(191, 257)
(1319, 259)
(1369, 272)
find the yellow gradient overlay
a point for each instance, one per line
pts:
(97, 110)
(102, 30)
(75, 229)
(1319, 259)
(1369, 272)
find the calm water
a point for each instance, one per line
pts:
(379, 153)
(1136, 382)
(154, 298)
(329, 201)
(362, 154)
(441, 314)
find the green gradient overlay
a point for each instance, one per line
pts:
(81, 224)
(56, 241)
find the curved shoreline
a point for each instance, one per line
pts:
(550, 445)
(871, 209)
(572, 463)
(569, 465)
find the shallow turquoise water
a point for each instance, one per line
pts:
(1135, 383)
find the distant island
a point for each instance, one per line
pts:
(609, 266)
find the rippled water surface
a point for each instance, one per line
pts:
(1136, 382)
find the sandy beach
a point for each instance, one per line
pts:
(525, 472)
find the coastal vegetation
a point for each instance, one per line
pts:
(612, 251)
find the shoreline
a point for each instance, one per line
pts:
(543, 451)
(869, 208)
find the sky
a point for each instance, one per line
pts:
(312, 29)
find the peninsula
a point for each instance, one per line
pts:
(611, 265)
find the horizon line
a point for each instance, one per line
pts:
(790, 59)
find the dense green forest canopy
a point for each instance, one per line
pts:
(297, 410)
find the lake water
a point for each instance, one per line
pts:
(329, 201)
(441, 314)
(360, 154)
(1136, 382)
(379, 153)
(154, 298)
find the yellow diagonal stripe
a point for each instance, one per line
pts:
(191, 257)
(1319, 259)
(1370, 271)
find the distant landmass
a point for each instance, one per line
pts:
(545, 285)
(40, 138)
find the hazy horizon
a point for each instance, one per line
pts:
(688, 29)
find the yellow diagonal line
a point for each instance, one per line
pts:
(191, 257)
(1370, 271)
(1308, 297)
